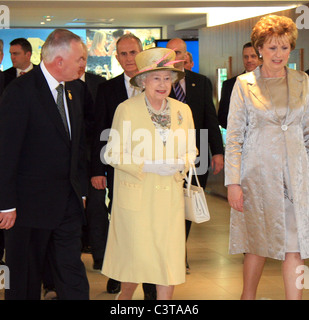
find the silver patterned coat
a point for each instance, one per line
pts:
(257, 150)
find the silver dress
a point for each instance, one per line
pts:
(267, 154)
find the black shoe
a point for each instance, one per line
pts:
(113, 286)
(97, 264)
(187, 268)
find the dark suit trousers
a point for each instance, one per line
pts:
(98, 223)
(28, 248)
(1, 244)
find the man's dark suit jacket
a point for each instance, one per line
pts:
(40, 165)
(110, 94)
(199, 98)
(1, 82)
(307, 71)
(223, 111)
(10, 75)
(92, 82)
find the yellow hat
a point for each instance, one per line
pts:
(156, 59)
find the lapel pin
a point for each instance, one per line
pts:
(179, 116)
(193, 84)
(69, 94)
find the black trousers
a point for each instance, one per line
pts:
(98, 223)
(27, 250)
(1, 244)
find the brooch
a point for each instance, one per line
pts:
(179, 117)
(69, 94)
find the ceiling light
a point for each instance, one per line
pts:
(218, 16)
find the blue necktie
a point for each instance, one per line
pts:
(180, 95)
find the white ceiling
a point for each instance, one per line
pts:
(129, 13)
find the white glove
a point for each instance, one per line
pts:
(164, 167)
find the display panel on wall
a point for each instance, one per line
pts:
(192, 47)
(101, 45)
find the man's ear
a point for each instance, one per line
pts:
(58, 61)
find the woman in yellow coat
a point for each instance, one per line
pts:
(151, 144)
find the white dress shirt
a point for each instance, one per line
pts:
(53, 84)
(25, 70)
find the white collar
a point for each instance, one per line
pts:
(52, 82)
(30, 67)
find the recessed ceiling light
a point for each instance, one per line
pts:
(42, 22)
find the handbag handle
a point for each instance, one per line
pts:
(189, 179)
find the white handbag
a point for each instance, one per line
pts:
(196, 209)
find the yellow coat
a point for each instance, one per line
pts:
(146, 241)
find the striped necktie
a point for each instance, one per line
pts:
(60, 105)
(180, 95)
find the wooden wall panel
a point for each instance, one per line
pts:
(219, 43)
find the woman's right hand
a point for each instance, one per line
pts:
(235, 197)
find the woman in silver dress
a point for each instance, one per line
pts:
(267, 167)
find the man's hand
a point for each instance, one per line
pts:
(7, 219)
(99, 182)
(217, 163)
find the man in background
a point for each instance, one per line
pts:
(197, 91)
(21, 51)
(251, 61)
(1, 90)
(188, 63)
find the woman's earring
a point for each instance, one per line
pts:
(260, 56)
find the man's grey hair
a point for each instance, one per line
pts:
(130, 36)
(58, 42)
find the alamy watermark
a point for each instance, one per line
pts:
(4, 17)
(302, 21)
(4, 277)
(302, 281)
(128, 147)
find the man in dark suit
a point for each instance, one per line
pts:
(95, 205)
(198, 95)
(251, 61)
(1, 73)
(307, 71)
(21, 51)
(43, 172)
(110, 95)
(1, 90)
(95, 199)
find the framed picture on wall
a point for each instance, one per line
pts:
(101, 44)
